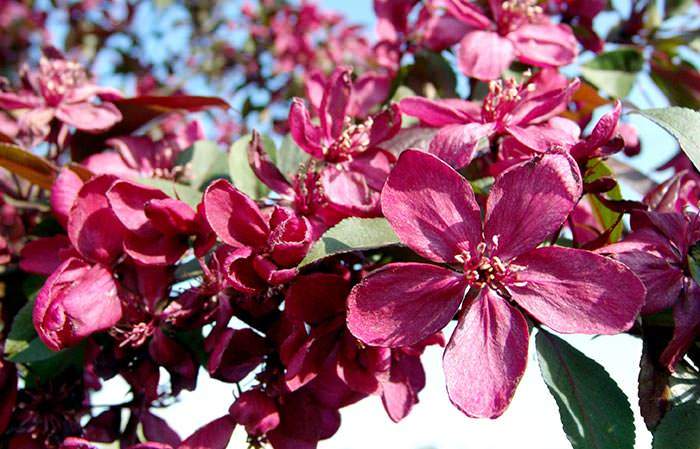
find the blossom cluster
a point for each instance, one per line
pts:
(398, 214)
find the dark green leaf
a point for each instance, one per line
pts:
(681, 123)
(594, 412)
(614, 72)
(352, 234)
(680, 428)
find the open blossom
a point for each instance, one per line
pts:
(260, 249)
(61, 89)
(526, 111)
(660, 250)
(436, 215)
(514, 30)
(355, 167)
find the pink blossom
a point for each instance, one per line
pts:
(525, 111)
(355, 166)
(259, 249)
(436, 215)
(61, 89)
(515, 30)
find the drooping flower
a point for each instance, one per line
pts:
(436, 215)
(260, 249)
(660, 250)
(355, 165)
(524, 110)
(515, 30)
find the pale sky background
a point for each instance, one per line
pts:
(531, 422)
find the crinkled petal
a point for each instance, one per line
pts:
(335, 102)
(529, 202)
(403, 303)
(577, 291)
(75, 301)
(128, 201)
(233, 216)
(486, 356)
(431, 207)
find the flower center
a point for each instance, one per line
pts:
(484, 270)
(515, 13)
(57, 77)
(354, 140)
(503, 96)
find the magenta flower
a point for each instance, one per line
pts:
(516, 30)
(433, 211)
(355, 167)
(304, 193)
(61, 89)
(81, 295)
(659, 252)
(260, 250)
(157, 226)
(521, 110)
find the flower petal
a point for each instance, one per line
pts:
(577, 291)
(93, 228)
(233, 216)
(304, 132)
(686, 319)
(64, 191)
(530, 202)
(76, 300)
(403, 303)
(440, 112)
(484, 55)
(431, 207)
(89, 117)
(455, 144)
(486, 356)
(545, 45)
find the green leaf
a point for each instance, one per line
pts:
(606, 217)
(290, 157)
(206, 161)
(175, 190)
(352, 234)
(680, 428)
(22, 330)
(35, 351)
(594, 412)
(241, 174)
(681, 123)
(614, 72)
